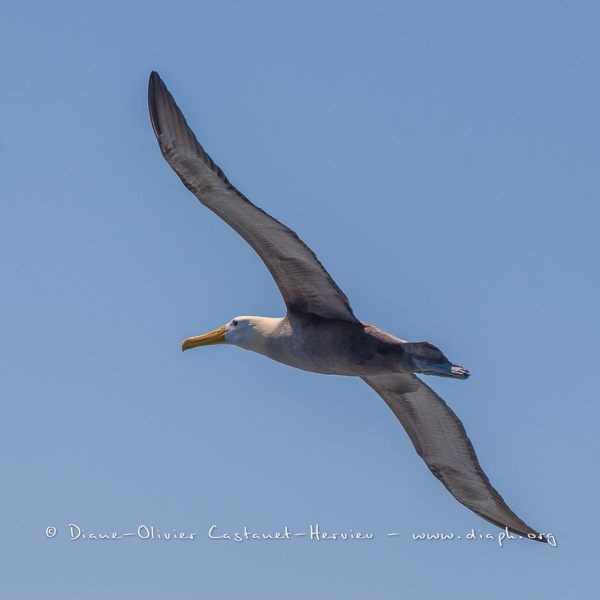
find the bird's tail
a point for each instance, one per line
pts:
(430, 360)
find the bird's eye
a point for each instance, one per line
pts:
(234, 322)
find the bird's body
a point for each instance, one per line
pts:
(335, 347)
(319, 345)
(320, 333)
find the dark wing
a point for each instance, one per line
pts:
(303, 282)
(442, 442)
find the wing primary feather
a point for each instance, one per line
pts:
(440, 439)
(304, 283)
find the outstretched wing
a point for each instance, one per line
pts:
(303, 282)
(442, 442)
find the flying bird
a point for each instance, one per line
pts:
(320, 333)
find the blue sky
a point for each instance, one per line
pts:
(442, 161)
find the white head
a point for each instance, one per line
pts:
(249, 333)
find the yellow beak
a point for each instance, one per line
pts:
(214, 337)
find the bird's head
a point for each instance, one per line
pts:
(249, 333)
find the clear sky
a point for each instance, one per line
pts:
(442, 161)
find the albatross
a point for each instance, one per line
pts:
(320, 332)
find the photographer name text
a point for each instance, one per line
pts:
(313, 533)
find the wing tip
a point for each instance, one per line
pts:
(518, 527)
(155, 83)
(534, 536)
